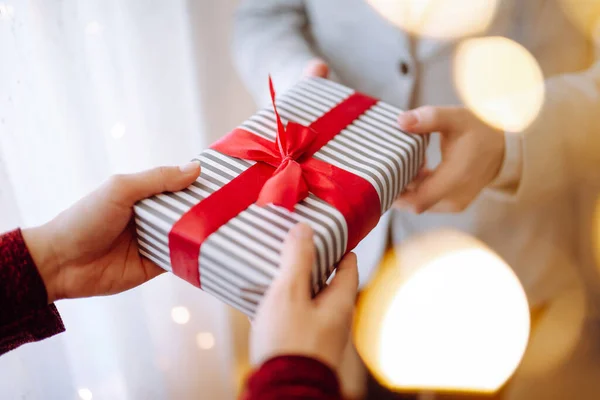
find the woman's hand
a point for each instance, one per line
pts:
(472, 155)
(91, 249)
(316, 68)
(290, 322)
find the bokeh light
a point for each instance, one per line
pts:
(444, 313)
(118, 130)
(584, 14)
(500, 81)
(205, 340)
(85, 394)
(180, 315)
(442, 19)
(7, 11)
(94, 28)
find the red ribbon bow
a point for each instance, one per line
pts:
(284, 174)
(290, 155)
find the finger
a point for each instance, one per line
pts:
(297, 258)
(429, 119)
(435, 188)
(400, 201)
(423, 174)
(442, 207)
(342, 290)
(445, 207)
(134, 187)
(316, 67)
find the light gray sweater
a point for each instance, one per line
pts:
(533, 227)
(537, 215)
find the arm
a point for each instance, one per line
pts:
(293, 377)
(271, 37)
(562, 148)
(298, 339)
(558, 152)
(88, 250)
(25, 315)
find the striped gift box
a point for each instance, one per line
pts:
(239, 260)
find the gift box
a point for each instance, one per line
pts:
(323, 154)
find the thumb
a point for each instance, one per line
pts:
(317, 68)
(341, 293)
(429, 119)
(437, 186)
(132, 188)
(297, 258)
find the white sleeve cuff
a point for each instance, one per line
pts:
(509, 177)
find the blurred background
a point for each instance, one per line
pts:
(90, 88)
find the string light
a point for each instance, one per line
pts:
(118, 130)
(444, 19)
(500, 81)
(205, 340)
(94, 28)
(85, 394)
(6, 11)
(443, 313)
(180, 315)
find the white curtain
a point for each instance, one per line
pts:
(94, 87)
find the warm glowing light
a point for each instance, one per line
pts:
(205, 340)
(446, 314)
(118, 130)
(6, 11)
(93, 28)
(446, 19)
(584, 14)
(470, 297)
(85, 394)
(180, 315)
(500, 81)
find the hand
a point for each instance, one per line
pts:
(472, 155)
(91, 248)
(317, 68)
(289, 322)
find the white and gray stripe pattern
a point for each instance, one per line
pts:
(238, 262)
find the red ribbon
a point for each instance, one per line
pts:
(284, 174)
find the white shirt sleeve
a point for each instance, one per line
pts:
(509, 177)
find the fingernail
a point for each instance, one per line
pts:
(189, 167)
(352, 257)
(407, 119)
(302, 231)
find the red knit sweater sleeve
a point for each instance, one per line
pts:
(293, 378)
(25, 315)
